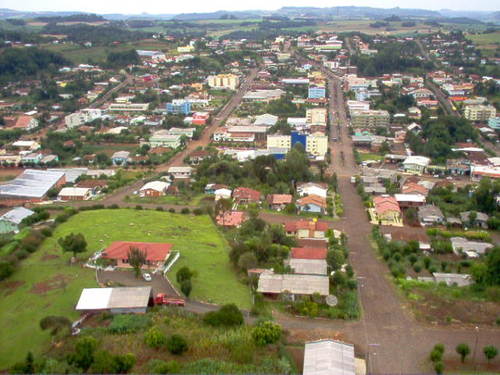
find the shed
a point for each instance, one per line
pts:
(116, 300)
(9, 222)
(329, 357)
(274, 284)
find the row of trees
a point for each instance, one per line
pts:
(463, 350)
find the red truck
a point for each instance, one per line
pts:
(163, 299)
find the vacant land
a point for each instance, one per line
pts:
(487, 42)
(47, 284)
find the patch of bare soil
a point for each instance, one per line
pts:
(437, 309)
(303, 335)
(57, 282)
(10, 286)
(47, 257)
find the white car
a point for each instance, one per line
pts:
(146, 276)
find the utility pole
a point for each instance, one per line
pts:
(475, 347)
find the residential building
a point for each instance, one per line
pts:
(179, 106)
(244, 195)
(121, 158)
(231, 219)
(471, 249)
(224, 81)
(124, 300)
(303, 229)
(24, 122)
(370, 119)
(410, 200)
(494, 122)
(316, 92)
(279, 201)
(312, 188)
(430, 215)
(154, 189)
(156, 253)
(312, 204)
(187, 132)
(479, 219)
(180, 172)
(479, 112)
(263, 95)
(163, 138)
(265, 120)
(82, 117)
(74, 194)
(386, 211)
(222, 193)
(308, 260)
(316, 116)
(10, 221)
(317, 144)
(272, 285)
(279, 141)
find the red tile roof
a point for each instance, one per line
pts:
(231, 218)
(385, 203)
(243, 193)
(312, 199)
(306, 224)
(279, 198)
(308, 253)
(155, 251)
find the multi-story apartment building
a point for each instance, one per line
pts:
(317, 116)
(279, 141)
(224, 81)
(317, 144)
(369, 119)
(479, 112)
(179, 106)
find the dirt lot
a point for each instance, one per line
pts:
(127, 278)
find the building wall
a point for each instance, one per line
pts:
(279, 141)
(317, 145)
(316, 116)
(7, 226)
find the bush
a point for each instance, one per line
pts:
(266, 333)
(439, 368)
(114, 206)
(154, 338)
(227, 315)
(6, 269)
(138, 207)
(47, 232)
(186, 287)
(125, 323)
(21, 254)
(157, 366)
(198, 211)
(171, 210)
(176, 344)
(185, 211)
(159, 208)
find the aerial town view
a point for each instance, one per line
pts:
(276, 187)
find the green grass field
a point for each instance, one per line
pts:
(370, 156)
(46, 284)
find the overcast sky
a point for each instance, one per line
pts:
(169, 6)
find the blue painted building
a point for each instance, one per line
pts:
(316, 92)
(299, 138)
(494, 123)
(179, 107)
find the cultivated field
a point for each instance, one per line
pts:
(46, 284)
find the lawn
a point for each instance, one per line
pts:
(181, 200)
(369, 156)
(46, 284)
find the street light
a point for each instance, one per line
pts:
(475, 347)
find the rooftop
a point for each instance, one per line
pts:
(113, 298)
(31, 184)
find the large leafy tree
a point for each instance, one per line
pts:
(73, 243)
(136, 258)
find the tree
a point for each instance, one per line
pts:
(29, 364)
(56, 324)
(184, 273)
(107, 363)
(136, 258)
(247, 261)
(186, 287)
(154, 338)
(73, 243)
(490, 352)
(266, 333)
(463, 350)
(439, 368)
(176, 344)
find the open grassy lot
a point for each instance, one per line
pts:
(46, 284)
(486, 42)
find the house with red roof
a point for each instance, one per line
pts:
(231, 219)
(244, 195)
(156, 253)
(279, 201)
(308, 260)
(386, 211)
(307, 229)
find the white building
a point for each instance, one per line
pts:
(82, 117)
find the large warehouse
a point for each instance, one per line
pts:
(31, 186)
(116, 300)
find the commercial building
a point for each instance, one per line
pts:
(316, 92)
(10, 221)
(163, 138)
(179, 107)
(479, 112)
(316, 116)
(317, 144)
(370, 119)
(224, 81)
(128, 107)
(74, 194)
(82, 117)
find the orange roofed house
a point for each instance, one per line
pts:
(279, 201)
(156, 253)
(312, 203)
(386, 211)
(244, 195)
(307, 229)
(231, 219)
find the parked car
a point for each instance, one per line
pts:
(147, 276)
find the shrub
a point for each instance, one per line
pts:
(439, 368)
(154, 338)
(176, 344)
(21, 254)
(47, 232)
(490, 352)
(184, 273)
(185, 211)
(171, 210)
(436, 356)
(463, 350)
(159, 208)
(266, 333)
(138, 207)
(198, 211)
(114, 206)
(125, 323)
(6, 269)
(157, 366)
(227, 315)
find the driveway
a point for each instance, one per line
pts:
(127, 278)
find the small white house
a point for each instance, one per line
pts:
(222, 193)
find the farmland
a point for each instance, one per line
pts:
(46, 284)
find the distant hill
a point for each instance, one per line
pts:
(353, 11)
(221, 13)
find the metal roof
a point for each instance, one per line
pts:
(32, 184)
(113, 298)
(16, 215)
(328, 357)
(71, 174)
(308, 266)
(295, 284)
